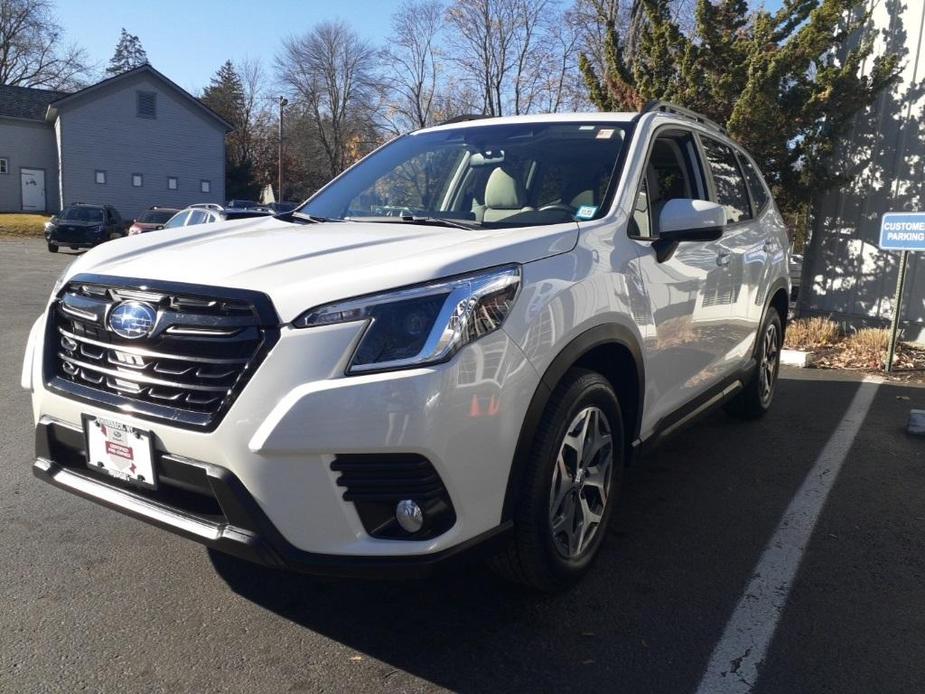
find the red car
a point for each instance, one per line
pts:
(151, 219)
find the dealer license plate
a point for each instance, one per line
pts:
(120, 450)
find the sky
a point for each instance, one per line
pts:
(188, 40)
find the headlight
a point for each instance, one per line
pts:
(426, 324)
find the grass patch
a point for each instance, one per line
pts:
(19, 224)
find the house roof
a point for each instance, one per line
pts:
(26, 102)
(63, 99)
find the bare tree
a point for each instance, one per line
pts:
(30, 50)
(255, 112)
(484, 47)
(330, 70)
(413, 61)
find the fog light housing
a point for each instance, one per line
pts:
(409, 516)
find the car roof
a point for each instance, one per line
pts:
(582, 117)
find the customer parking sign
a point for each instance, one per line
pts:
(903, 231)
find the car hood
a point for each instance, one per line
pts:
(304, 265)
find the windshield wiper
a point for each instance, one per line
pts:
(309, 218)
(407, 219)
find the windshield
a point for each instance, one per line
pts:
(81, 214)
(522, 174)
(178, 220)
(156, 216)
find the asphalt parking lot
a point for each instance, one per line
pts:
(94, 601)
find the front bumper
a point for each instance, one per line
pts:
(235, 524)
(272, 454)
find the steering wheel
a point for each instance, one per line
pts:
(558, 206)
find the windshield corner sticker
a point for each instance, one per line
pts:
(605, 133)
(586, 212)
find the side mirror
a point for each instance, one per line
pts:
(683, 219)
(159, 226)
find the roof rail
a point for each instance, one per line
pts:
(667, 107)
(463, 118)
(207, 206)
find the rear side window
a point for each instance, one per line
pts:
(727, 178)
(759, 193)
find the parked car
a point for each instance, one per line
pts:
(205, 213)
(242, 204)
(283, 206)
(151, 219)
(393, 376)
(83, 226)
(796, 275)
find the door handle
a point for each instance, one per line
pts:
(768, 246)
(722, 259)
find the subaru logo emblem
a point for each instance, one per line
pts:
(132, 319)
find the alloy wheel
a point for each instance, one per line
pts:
(581, 482)
(767, 368)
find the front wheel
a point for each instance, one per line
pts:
(572, 476)
(756, 397)
(52, 248)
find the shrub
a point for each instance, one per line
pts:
(811, 333)
(868, 346)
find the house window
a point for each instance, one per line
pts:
(137, 181)
(205, 186)
(146, 104)
(171, 183)
(4, 165)
(100, 177)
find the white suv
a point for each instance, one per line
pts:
(461, 341)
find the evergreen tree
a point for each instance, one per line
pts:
(128, 55)
(787, 84)
(225, 95)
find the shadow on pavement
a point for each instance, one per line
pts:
(694, 517)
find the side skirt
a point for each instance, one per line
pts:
(689, 413)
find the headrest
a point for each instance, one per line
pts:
(585, 197)
(503, 191)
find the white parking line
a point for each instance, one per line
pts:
(733, 666)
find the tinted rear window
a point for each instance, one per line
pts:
(755, 186)
(156, 216)
(730, 186)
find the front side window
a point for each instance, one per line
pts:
(197, 217)
(672, 171)
(727, 179)
(522, 174)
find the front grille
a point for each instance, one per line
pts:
(375, 483)
(193, 360)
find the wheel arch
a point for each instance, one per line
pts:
(612, 350)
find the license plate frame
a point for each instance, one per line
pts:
(120, 450)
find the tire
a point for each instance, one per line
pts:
(756, 398)
(537, 555)
(52, 248)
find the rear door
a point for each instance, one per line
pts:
(741, 251)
